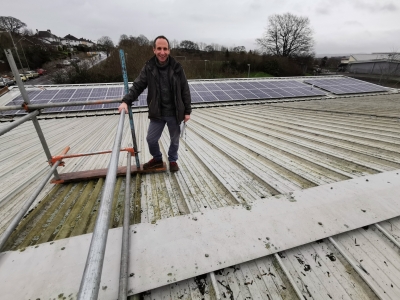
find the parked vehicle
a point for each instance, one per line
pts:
(66, 63)
(8, 81)
(33, 73)
(75, 60)
(2, 82)
(23, 77)
(28, 75)
(41, 72)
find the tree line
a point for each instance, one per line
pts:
(285, 49)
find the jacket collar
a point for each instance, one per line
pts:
(175, 66)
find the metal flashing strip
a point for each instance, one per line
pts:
(182, 247)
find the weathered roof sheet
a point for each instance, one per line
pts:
(231, 154)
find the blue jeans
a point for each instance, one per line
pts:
(156, 128)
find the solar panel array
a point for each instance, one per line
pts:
(71, 95)
(345, 86)
(250, 90)
(201, 92)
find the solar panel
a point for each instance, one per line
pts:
(82, 93)
(115, 92)
(46, 94)
(235, 95)
(65, 94)
(345, 86)
(221, 95)
(207, 96)
(99, 92)
(199, 87)
(224, 86)
(110, 105)
(195, 97)
(247, 94)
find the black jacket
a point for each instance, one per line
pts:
(149, 77)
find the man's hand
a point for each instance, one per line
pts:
(187, 118)
(123, 106)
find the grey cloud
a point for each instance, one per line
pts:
(323, 11)
(352, 23)
(374, 6)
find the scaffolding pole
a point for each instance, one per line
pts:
(90, 283)
(126, 90)
(59, 104)
(14, 223)
(18, 122)
(24, 94)
(123, 278)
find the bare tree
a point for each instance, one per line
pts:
(287, 35)
(142, 40)
(209, 48)
(123, 37)
(106, 43)
(189, 45)
(202, 45)
(11, 24)
(239, 49)
(174, 44)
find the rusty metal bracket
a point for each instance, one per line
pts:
(63, 155)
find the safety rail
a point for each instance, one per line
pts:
(90, 282)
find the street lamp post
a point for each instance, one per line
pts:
(248, 74)
(16, 50)
(205, 66)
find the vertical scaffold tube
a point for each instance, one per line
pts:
(123, 279)
(24, 95)
(90, 283)
(126, 91)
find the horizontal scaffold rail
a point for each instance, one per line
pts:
(30, 107)
(56, 158)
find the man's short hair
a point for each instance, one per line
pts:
(160, 37)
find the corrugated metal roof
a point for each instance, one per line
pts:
(232, 154)
(371, 57)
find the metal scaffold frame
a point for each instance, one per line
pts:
(90, 282)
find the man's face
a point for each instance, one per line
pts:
(161, 50)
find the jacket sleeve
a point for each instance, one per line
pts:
(138, 86)
(186, 98)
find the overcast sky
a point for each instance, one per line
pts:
(340, 26)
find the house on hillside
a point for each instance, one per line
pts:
(70, 40)
(86, 42)
(48, 38)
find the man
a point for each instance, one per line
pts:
(168, 100)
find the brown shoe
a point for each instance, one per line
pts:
(173, 167)
(153, 164)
